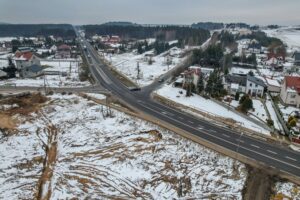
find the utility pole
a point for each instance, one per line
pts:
(138, 70)
(45, 84)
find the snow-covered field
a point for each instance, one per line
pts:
(120, 157)
(7, 39)
(127, 64)
(71, 68)
(288, 35)
(287, 191)
(206, 105)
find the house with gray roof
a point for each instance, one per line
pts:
(255, 86)
(32, 71)
(235, 83)
(296, 57)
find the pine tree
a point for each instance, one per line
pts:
(200, 85)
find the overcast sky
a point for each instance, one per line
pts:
(150, 11)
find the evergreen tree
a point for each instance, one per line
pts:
(237, 96)
(200, 85)
(246, 103)
(140, 48)
(10, 69)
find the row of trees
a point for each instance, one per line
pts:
(186, 35)
(32, 30)
(211, 56)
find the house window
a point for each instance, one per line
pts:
(293, 96)
(250, 84)
(256, 85)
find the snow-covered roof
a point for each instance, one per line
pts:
(179, 80)
(272, 82)
(234, 86)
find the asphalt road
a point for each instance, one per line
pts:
(272, 155)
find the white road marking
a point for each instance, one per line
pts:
(212, 130)
(271, 152)
(241, 141)
(229, 142)
(255, 146)
(180, 118)
(226, 135)
(191, 122)
(293, 159)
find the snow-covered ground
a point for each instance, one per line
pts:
(287, 191)
(71, 68)
(20, 164)
(259, 110)
(7, 39)
(127, 63)
(273, 115)
(289, 35)
(116, 157)
(287, 111)
(208, 106)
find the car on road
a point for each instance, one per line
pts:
(134, 89)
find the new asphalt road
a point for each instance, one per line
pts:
(274, 156)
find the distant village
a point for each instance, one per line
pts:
(235, 64)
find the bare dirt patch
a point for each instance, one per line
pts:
(19, 106)
(258, 185)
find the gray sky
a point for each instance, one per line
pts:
(150, 11)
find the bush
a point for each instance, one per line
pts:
(270, 122)
(246, 103)
(293, 123)
(63, 93)
(290, 119)
(50, 93)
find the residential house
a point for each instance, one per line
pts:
(63, 52)
(26, 59)
(278, 55)
(53, 49)
(31, 71)
(114, 39)
(254, 47)
(275, 63)
(296, 57)
(290, 91)
(255, 86)
(21, 50)
(235, 83)
(104, 38)
(273, 85)
(192, 75)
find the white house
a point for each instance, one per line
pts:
(273, 85)
(192, 75)
(255, 86)
(290, 91)
(26, 59)
(235, 83)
